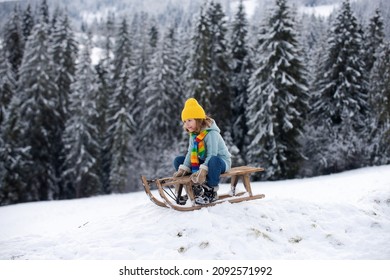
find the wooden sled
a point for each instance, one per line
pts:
(166, 189)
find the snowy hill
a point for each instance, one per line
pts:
(343, 216)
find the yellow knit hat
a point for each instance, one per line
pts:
(192, 110)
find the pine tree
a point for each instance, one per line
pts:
(140, 63)
(380, 104)
(278, 98)
(7, 92)
(39, 116)
(241, 70)
(14, 41)
(374, 39)
(339, 103)
(153, 35)
(81, 170)
(110, 77)
(122, 129)
(43, 12)
(219, 81)
(164, 92)
(200, 64)
(14, 160)
(64, 54)
(114, 179)
(105, 84)
(104, 88)
(122, 50)
(313, 41)
(27, 22)
(7, 86)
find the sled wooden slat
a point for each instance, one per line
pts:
(145, 183)
(235, 173)
(241, 170)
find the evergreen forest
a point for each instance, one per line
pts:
(87, 110)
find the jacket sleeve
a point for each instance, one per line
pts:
(187, 160)
(211, 141)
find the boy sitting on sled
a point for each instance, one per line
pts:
(207, 156)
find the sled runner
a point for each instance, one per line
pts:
(166, 190)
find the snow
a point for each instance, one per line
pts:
(335, 217)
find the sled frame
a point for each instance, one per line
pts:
(169, 199)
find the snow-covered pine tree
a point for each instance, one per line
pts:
(140, 61)
(161, 125)
(104, 89)
(313, 38)
(81, 173)
(278, 98)
(7, 86)
(199, 65)
(39, 115)
(122, 49)
(7, 92)
(380, 104)
(241, 70)
(64, 54)
(374, 39)
(339, 103)
(219, 81)
(153, 34)
(27, 22)
(14, 160)
(13, 40)
(57, 16)
(43, 12)
(105, 83)
(111, 79)
(314, 41)
(373, 45)
(123, 130)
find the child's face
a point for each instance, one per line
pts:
(190, 125)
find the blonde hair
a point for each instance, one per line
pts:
(201, 124)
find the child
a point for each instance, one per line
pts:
(207, 156)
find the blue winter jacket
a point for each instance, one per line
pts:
(214, 145)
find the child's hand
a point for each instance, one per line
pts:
(182, 171)
(199, 177)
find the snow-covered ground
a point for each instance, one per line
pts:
(337, 217)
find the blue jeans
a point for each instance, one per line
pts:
(216, 167)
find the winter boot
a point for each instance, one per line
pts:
(210, 195)
(198, 190)
(182, 200)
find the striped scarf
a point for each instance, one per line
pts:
(198, 150)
